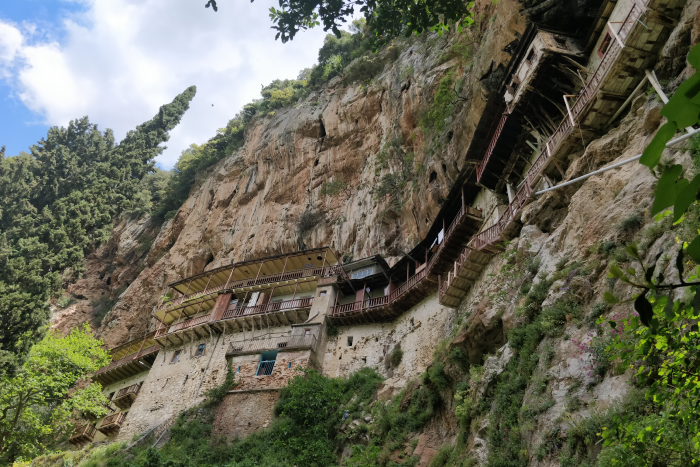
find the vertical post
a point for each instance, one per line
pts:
(462, 195)
(324, 261)
(207, 286)
(284, 268)
(295, 291)
(258, 275)
(229, 277)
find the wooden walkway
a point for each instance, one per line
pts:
(634, 47)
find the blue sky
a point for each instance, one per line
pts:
(117, 61)
(19, 126)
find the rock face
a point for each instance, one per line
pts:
(250, 205)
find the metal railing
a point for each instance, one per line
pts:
(265, 368)
(235, 310)
(492, 235)
(357, 307)
(482, 165)
(128, 358)
(133, 389)
(322, 271)
(272, 343)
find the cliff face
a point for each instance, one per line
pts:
(251, 203)
(255, 203)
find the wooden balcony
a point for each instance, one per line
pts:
(240, 318)
(126, 396)
(111, 424)
(129, 365)
(82, 434)
(271, 343)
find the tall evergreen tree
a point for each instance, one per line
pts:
(57, 204)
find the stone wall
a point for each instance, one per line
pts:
(287, 364)
(242, 413)
(417, 330)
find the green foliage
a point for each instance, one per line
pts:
(38, 401)
(386, 20)
(400, 164)
(58, 203)
(309, 220)
(335, 188)
(441, 106)
(395, 356)
(632, 222)
(661, 339)
(216, 395)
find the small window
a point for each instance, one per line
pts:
(307, 332)
(200, 350)
(362, 273)
(239, 369)
(267, 363)
(364, 359)
(322, 294)
(349, 341)
(531, 56)
(111, 395)
(176, 356)
(289, 365)
(605, 45)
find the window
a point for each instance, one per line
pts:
(289, 365)
(604, 45)
(111, 395)
(362, 273)
(307, 332)
(176, 356)
(267, 363)
(349, 341)
(239, 369)
(322, 294)
(200, 350)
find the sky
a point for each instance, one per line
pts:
(118, 61)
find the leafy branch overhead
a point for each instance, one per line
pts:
(387, 19)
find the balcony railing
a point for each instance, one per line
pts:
(82, 434)
(338, 311)
(235, 311)
(134, 356)
(112, 423)
(492, 235)
(272, 343)
(125, 397)
(323, 271)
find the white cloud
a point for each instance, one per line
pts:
(121, 59)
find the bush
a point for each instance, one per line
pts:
(395, 356)
(632, 222)
(308, 220)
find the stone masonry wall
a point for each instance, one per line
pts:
(418, 330)
(240, 414)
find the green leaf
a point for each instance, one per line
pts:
(693, 249)
(652, 153)
(668, 309)
(644, 308)
(615, 271)
(610, 298)
(633, 251)
(685, 198)
(666, 189)
(694, 57)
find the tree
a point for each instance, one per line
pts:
(386, 19)
(661, 341)
(52, 387)
(57, 204)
